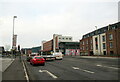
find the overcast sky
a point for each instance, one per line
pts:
(38, 20)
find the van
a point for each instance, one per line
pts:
(58, 55)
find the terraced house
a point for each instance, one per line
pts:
(103, 41)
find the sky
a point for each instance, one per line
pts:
(38, 20)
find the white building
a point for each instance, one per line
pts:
(59, 38)
(99, 44)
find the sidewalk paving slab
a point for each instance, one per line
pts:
(14, 72)
(6, 62)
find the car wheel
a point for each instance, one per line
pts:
(43, 64)
(32, 63)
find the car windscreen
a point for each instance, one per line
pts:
(32, 54)
(38, 57)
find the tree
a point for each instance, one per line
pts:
(7, 47)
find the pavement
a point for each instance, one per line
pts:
(6, 62)
(13, 70)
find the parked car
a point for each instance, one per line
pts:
(37, 60)
(29, 57)
(58, 55)
(48, 57)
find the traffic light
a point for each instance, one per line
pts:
(18, 47)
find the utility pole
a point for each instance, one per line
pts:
(13, 38)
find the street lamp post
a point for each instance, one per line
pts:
(13, 34)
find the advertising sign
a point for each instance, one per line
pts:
(72, 52)
(14, 40)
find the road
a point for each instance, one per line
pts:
(75, 69)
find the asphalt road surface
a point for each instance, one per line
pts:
(75, 69)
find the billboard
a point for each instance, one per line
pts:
(14, 40)
(72, 52)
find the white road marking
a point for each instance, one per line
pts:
(49, 73)
(107, 66)
(75, 67)
(88, 71)
(26, 75)
(82, 70)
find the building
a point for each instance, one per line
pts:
(2, 50)
(102, 41)
(86, 45)
(112, 38)
(59, 38)
(53, 44)
(69, 48)
(99, 41)
(47, 47)
(36, 49)
(26, 51)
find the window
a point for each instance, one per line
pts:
(99, 31)
(91, 41)
(87, 42)
(83, 42)
(105, 30)
(63, 38)
(113, 27)
(91, 47)
(96, 39)
(59, 38)
(110, 36)
(83, 47)
(69, 38)
(111, 52)
(111, 45)
(96, 43)
(92, 33)
(80, 42)
(86, 48)
(104, 46)
(66, 38)
(104, 52)
(103, 38)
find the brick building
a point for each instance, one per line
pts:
(103, 41)
(47, 47)
(113, 39)
(86, 47)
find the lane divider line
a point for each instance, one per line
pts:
(106, 66)
(55, 77)
(26, 75)
(76, 68)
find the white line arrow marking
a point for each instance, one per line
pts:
(82, 70)
(48, 73)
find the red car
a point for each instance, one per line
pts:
(37, 60)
